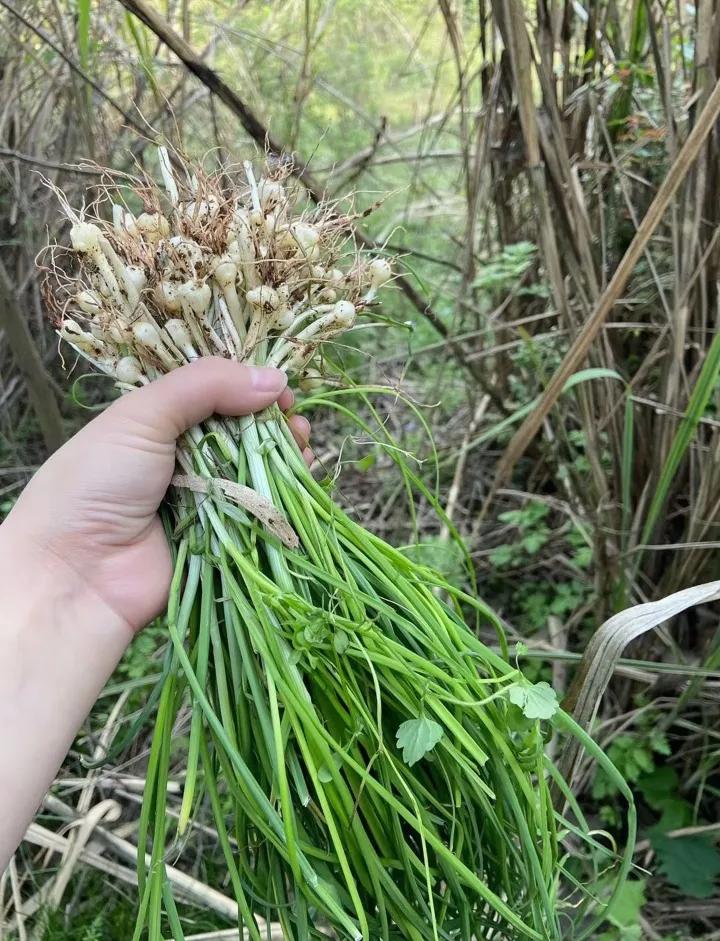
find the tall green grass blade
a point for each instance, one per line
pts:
(583, 375)
(144, 48)
(704, 388)
(83, 33)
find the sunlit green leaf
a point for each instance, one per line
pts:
(417, 737)
(537, 702)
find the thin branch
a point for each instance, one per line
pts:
(261, 135)
(192, 61)
(41, 34)
(33, 161)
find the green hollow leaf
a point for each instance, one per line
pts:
(537, 702)
(417, 737)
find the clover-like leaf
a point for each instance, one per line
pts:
(537, 702)
(417, 737)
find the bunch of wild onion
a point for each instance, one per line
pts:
(358, 746)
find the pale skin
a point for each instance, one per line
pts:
(84, 565)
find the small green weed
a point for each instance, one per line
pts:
(634, 755)
(531, 533)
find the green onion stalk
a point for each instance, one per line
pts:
(372, 767)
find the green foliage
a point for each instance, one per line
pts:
(442, 555)
(504, 271)
(536, 702)
(142, 651)
(102, 914)
(624, 913)
(417, 737)
(534, 361)
(543, 600)
(699, 399)
(690, 863)
(536, 599)
(106, 911)
(533, 534)
(143, 43)
(83, 32)
(660, 789)
(582, 554)
(633, 754)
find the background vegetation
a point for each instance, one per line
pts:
(510, 152)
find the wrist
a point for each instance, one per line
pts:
(47, 606)
(37, 573)
(59, 645)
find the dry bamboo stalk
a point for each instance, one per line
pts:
(518, 44)
(41, 394)
(578, 351)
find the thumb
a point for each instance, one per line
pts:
(172, 404)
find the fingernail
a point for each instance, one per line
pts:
(267, 379)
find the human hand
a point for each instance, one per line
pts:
(84, 564)
(90, 513)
